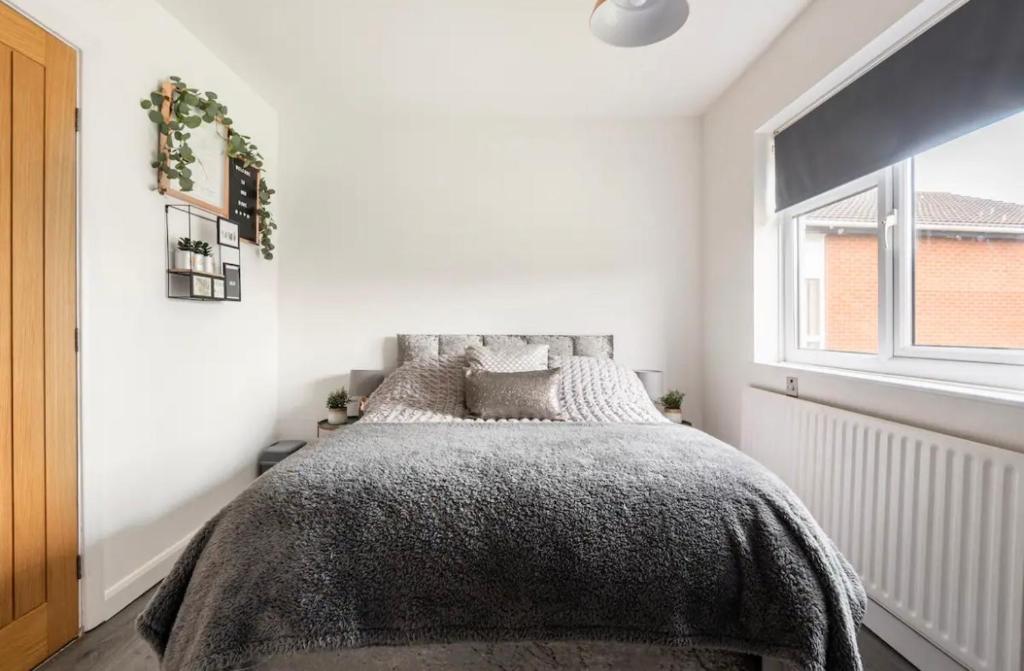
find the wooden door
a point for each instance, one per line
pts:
(38, 402)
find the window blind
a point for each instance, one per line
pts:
(965, 72)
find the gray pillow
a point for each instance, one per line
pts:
(526, 395)
(507, 358)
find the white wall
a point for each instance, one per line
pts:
(821, 39)
(176, 397)
(484, 225)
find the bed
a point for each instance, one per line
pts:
(426, 538)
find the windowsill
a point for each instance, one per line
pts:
(999, 395)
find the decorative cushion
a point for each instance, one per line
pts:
(526, 395)
(507, 359)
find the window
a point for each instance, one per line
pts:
(917, 269)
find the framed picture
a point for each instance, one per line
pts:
(227, 233)
(243, 199)
(202, 286)
(232, 282)
(218, 288)
(210, 170)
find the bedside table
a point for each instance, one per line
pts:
(323, 426)
(276, 453)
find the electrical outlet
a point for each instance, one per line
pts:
(792, 387)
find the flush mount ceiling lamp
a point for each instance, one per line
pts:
(637, 23)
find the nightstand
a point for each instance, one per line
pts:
(323, 426)
(276, 453)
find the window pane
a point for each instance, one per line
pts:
(838, 258)
(969, 240)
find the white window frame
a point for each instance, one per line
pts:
(897, 355)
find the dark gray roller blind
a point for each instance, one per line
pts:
(965, 72)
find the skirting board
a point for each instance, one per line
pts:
(917, 650)
(135, 584)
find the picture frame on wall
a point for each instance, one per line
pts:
(218, 289)
(202, 286)
(232, 282)
(227, 233)
(210, 171)
(243, 199)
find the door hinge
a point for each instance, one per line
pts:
(76, 339)
(78, 119)
(78, 566)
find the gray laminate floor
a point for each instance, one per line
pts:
(114, 646)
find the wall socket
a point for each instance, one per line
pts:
(792, 387)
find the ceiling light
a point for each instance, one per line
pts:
(636, 23)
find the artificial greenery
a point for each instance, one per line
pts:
(673, 400)
(186, 244)
(337, 399)
(200, 247)
(190, 109)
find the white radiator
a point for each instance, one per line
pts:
(933, 524)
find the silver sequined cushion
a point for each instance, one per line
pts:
(527, 395)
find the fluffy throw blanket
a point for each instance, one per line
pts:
(390, 534)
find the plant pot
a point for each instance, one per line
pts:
(182, 259)
(674, 416)
(197, 262)
(336, 415)
(208, 265)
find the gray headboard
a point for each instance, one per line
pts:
(429, 346)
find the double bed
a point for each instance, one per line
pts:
(424, 538)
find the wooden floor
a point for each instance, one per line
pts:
(114, 646)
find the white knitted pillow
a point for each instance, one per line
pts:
(507, 359)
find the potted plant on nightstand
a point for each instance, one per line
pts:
(673, 402)
(337, 402)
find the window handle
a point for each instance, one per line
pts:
(890, 224)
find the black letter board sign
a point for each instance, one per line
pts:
(242, 204)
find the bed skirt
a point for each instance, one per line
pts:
(516, 656)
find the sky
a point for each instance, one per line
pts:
(988, 163)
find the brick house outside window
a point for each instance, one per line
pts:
(968, 273)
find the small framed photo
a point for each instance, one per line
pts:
(202, 286)
(232, 282)
(218, 289)
(227, 233)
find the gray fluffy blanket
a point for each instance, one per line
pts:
(405, 533)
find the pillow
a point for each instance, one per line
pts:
(507, 359)
(525, 395)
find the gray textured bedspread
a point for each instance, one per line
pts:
(387, 534)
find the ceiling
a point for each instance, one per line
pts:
(480, 57)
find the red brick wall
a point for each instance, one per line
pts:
(967, 293)
(851, 293)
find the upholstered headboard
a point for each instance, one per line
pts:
(429, 346)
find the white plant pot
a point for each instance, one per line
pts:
(336, 416)
(182, 260)
(197, 262)
(674, 416)
(208, 265)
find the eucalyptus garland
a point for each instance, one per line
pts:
(190, 109)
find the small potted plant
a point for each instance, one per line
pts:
(202, 257)
(672, 402)
(183, 255)
(337, 406)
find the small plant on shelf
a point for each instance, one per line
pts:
(203, 257)
(337, 406)
(183, 255)
(672, 402)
